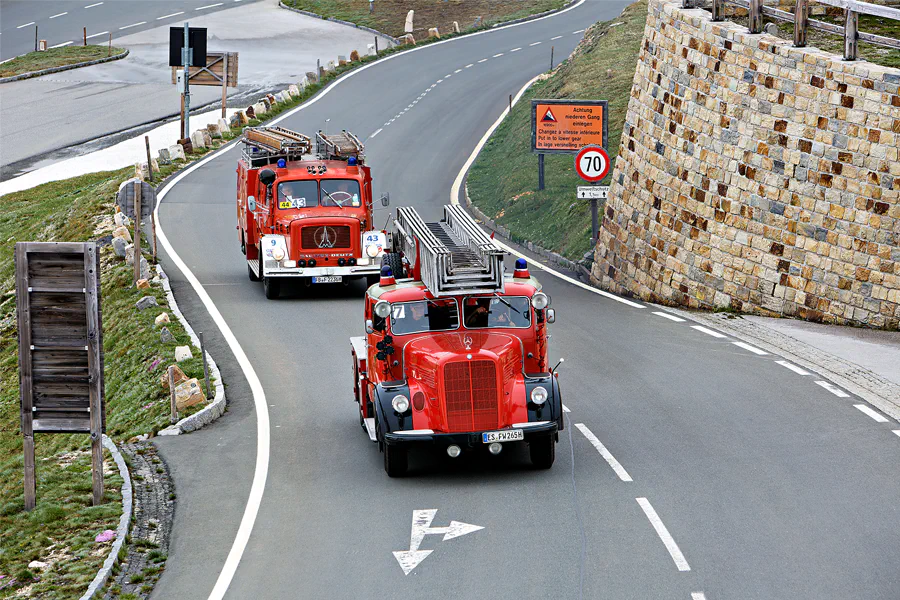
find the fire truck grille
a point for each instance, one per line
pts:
(325, 237)
(470, 389)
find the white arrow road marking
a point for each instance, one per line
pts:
(421, 526)
(897, 431)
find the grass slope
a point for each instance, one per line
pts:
(390, 15)
(55, 57)
(503, 181)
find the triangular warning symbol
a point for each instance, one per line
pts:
(548, 117)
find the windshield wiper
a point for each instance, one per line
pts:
(500, 298)
(324, 191)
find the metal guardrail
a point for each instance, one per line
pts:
(802, 23)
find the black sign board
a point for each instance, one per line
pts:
(197, 40)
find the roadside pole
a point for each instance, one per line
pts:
(149, 162)
(35, 38)
(224, 82)
(173, 408)
(84, 33)
(137, 230)
(186, 62)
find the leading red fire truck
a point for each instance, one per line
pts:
(455, 355)
(303, 214)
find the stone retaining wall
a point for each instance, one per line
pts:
(755, 176)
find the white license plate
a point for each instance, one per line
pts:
(328, 279)
(511, 435)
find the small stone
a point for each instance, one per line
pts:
(119, 219)
(122, 232)
(176, 152)
(182, 353)
(160, 272)
(145, 269)
(434, 33)
(36, 564)
(455, 27)
(207, 138)
(146, 302)
(188, 393)
(354, 56)
(177, 374)
(243, 117)
(223, 125)
(772, 29)
(408, 39)
(198, 140)
(129, 254)
(213, 130)
(370, 49)
(166, 337)
(119, 246)
(142, 284)
(107, 536)
(161, 319)
(342, 60)
(164, 157)
(293, 90)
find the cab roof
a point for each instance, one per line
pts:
(409, 290)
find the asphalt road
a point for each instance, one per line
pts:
(735, 477)
(62, 22)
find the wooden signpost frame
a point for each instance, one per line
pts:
(60, 349)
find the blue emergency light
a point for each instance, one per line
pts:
(351, 162)
(282, 163)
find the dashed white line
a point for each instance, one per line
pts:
(793, 368)
(59, 15)
(666, 315)
(897, 431)
(555, 38)
(481, 61)
(61, 45)
(702, 329)
(133, 25)
(457, 71)
(834, 390)
(663, 533)
(607, 456)
(868, 411)
(209, 6)
(25, 25)
(93, 5)
(468, 66)
(566, 408)
(376, 133)
(750, 348)
(515, 49)
(535, 44)
(169, 16)
(97, 35)
(698, 596)
(576, 33)
(498, 55)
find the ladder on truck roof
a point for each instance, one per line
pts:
(339, 146)
(265, 145)
(452, 256)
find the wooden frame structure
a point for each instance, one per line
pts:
(60, 349)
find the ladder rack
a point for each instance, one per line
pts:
(451, 256)
(339, 146)
(265, 145)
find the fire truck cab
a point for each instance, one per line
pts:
(455, 355)
(303, 214)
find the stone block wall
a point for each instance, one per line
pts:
(755, 176)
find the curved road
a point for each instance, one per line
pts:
(691, 467)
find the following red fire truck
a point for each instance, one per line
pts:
(455, 354)
(304, 215)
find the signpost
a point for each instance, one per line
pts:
(593, 192)
(187, 47)
(220, 69)
(566, 126)
(592, 164)
(137, 199)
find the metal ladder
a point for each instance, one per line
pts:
(453, 256)
(277, 141)
(339, 146)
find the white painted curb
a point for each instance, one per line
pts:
(124, 522)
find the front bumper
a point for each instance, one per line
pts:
(357, 271)
(467, 439)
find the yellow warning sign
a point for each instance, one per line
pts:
(564, 126)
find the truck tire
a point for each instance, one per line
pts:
(395, 462)
(272, 287)
(393, 260)
(542, 451)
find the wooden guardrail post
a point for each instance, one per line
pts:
(173, 407)
(137, 230)
(851, 33)
(756, 16)
(801, 22)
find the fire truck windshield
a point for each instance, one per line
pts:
(340, 192)
(496, 311)
(424, 315)
(297, 194)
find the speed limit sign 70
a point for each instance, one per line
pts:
(592, 163)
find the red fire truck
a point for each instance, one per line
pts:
(455, 355)
(306, 215)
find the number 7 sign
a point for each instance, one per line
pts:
(592, 163)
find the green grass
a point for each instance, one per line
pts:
(503, 181)
(834, 43)
(390, 15)
(55, 57)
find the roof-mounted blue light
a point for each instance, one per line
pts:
(521, 264)
(386, 271)
(351, 161)
(282, 163)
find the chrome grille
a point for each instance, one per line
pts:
(470, 392)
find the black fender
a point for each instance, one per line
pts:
(386, 417)
(552, 409)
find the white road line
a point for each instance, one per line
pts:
(61, 45)
(59, 15)
(469, 65)
(698, 596)
(515, 49)
(97, 35)
(606, 454)
(498, 55)
(93, 5)
(702, 329)
(374, 134)
(750, 348)
(666, 315)
(535, 44)
(209, 6)
(897, 431)
(566, 408)
(555, 38)
(169, 16)
(868, 411)
(834, 390)
(577, 32)
(793, 368)
(25, 25)
(663, 533)
(457, 71)
(133, 25)
(481, 61)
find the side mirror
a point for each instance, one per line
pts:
(551, 315)
(369, 327)
(385, 199)
(251, 203)
(267, 177)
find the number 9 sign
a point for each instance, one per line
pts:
(592, 163)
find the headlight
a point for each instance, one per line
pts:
(372, 251)
(540, 301)
(277, 253)
(383, 309)
(401, 403)
(538, 395)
